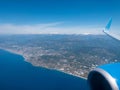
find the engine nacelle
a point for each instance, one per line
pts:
(106, 77)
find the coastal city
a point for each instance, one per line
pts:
(72, 54)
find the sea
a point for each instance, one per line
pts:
(17, 74)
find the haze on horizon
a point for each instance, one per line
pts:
(58, 16)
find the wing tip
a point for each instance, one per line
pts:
(108, 25)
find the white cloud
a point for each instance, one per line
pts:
(49, 28)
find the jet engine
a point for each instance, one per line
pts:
(106, 77)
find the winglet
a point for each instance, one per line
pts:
(110, 34)
(107, 28)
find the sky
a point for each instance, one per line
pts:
(58, 16)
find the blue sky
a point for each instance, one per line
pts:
(57, 16)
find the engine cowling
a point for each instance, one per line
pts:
(106, 77)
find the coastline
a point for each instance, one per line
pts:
(25, 59)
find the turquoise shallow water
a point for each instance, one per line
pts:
(16, 74)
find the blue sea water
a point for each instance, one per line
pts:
(16, 74)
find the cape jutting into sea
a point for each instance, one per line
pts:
(16, 74)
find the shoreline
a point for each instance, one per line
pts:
(25, 59)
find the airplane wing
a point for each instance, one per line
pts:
(106, 77)
(108, 32)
